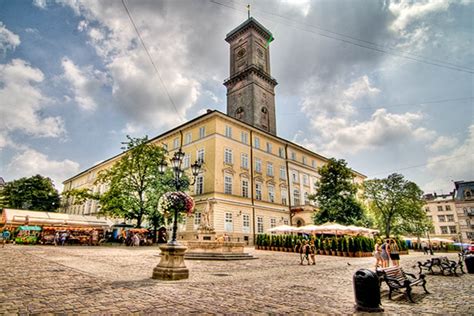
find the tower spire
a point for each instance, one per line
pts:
(248, 10)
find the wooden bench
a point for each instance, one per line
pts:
(397, 279)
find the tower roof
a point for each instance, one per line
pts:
(250, 23)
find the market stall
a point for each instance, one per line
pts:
(27, 234)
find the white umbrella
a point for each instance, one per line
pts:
(309, 229)
(283, 228)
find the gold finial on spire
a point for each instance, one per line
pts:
(248, 10)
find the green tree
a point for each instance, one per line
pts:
(134, 183)
(34, 193)
(396, 204)
(336, 195)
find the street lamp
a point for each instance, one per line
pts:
(178, 181)
(171, 266)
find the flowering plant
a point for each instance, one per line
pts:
(179, 201)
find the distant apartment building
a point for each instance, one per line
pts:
(441, 210)
(464, 200)
(452, 214)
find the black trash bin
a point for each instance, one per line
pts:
(469, 261)
(367, 291)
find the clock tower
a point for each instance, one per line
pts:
(250, 88)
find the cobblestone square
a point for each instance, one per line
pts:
(117, 280)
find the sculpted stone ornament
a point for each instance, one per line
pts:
(206, 225)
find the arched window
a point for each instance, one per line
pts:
(264, 118)
(239, 113)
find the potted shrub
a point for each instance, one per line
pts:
(333, 247)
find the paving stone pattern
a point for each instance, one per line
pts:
(117, 280)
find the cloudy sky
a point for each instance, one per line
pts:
(386, 85)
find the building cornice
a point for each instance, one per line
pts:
(252, 69)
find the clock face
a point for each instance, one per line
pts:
(241, 53)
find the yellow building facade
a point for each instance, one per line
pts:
(251, 179)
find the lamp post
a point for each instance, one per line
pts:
(171, 266)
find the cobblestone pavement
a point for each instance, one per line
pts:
(116, 280)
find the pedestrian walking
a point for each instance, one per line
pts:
(305, 251)
(385, 254)
(394, 253)
(5, 237)
(312, 252)
(378, 254)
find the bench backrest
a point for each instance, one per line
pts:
(395, 273)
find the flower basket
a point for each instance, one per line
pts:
(179, 201)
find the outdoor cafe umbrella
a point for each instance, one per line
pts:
(283, 229)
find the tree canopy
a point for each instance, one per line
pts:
(33, 193)
(396, 204)
(134, 183)
(336, 195)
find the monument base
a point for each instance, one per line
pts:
(171, 266)
(207, 247)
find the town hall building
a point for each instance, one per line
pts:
(251, 179)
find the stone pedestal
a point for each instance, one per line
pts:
(171, 266)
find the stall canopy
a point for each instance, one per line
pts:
(327, 228)
(36, 228)
(283, 229)
(26, 217)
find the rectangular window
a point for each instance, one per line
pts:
(313, 163)
(228, 131)
(228, 184)
(176, 143)
(199, 189)
(447, 208)
(293, 155)
(260, 225)
(286, 222)
(246, 223)
(306, 198)
(165, 146)
(244, 137)
(282, 173)
(296, 197)
(258, 191)
(440, 208)
(295, 176)
(186, 161)
(452, 229)
(188, 138)
(244, 161)
(202, 132)
(228, 156)
(284, 195)
(269, 169)
(257, 142)
(200, 155)
(271, 194)
(273, 222)
(269, 147)
(305, 179)
(441, 218)
(229, 227)
(245, 188)
(304, 160)
(258, 165)
(197, 219)
(281, 152)
(444, 229)
(450, 218)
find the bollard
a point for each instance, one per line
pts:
(367, 291)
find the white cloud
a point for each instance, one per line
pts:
(455, 165)
(40, 3)
(138, 91)
(31, 162)
(85, 83)
(21, 102)
(406, 12)
(8, 39)
(321, 98)
(443, 143)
